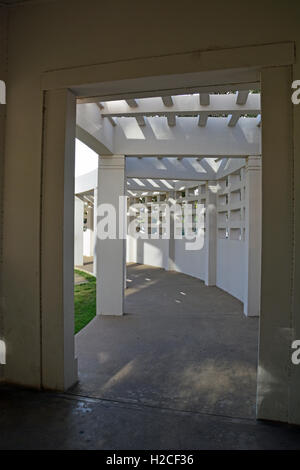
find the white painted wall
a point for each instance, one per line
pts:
(189, 262)
(152, 252)
(231, 267)
(230, 260)
(156, 253)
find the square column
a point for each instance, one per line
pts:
(95, 232)
(171, 260)
(59, 365)
(278, 389)
(110, 244)
(78, 232)
(211, 233)
(253, 236)
(131, 245)
(88, 235)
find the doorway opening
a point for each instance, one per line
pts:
(188, 339)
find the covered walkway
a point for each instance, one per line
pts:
(180, 346)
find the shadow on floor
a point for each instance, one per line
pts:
(37, 420)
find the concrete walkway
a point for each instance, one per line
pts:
(180, 346)
(177, 372)
(87, 264)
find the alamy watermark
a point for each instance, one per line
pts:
(296, 94)
(157, 221)
(296, 344)
(2, 352)
(296, 353)
(2, 92)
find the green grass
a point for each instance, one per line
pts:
(84, 301)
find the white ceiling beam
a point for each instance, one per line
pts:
(186, 105)
(140, 120)
(111, 120)
(187, 138)
(157, 138)
(132, 103)
(233, 119)
(258, 120)
(204, 99)
(146, 175)
(148, 184)
(171, 120)
(202, 120)
(242, 96)
(186, 168)
(167, 101)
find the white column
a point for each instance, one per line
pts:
(131, 248)
(78, 231)
(88, 235)
(110, 252)
(59, 366)
(211, 233)
(252, 236)
(278, 381)
(95, 231)
(171, 261)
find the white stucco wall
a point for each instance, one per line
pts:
(231, 267)
(230, 261)
(152, 252)
(189, 262)
(156, 253)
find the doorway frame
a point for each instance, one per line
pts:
(272, 65)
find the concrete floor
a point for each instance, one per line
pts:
(35, 420)
(180, 346)
(177, 372)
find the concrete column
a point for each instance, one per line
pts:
(211, 233)
(276, 398)
(110, 252)
(171, 261)
(78, 232)
(95, 231)
(252, 236)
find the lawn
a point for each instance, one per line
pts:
(84, 301)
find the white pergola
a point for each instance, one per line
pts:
(167, 144)
(164, 174)
(191, 137)
(196, 125)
